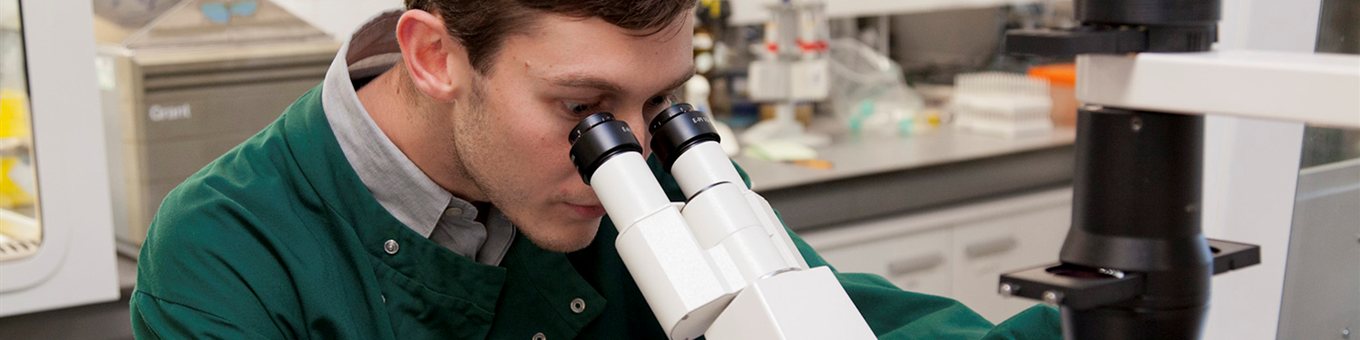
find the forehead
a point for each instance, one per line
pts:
(558, 45)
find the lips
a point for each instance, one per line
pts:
(587, 211)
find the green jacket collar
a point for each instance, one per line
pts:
(324, 166)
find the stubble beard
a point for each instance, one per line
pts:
(474, 158)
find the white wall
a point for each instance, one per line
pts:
(339, 18)
(1251, 170)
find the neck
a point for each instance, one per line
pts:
(411, 121)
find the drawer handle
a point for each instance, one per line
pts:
(914, 264)
(991, 247)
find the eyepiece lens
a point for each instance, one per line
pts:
(597, 138)
(587, 123)
(677, 128)
(666, 115)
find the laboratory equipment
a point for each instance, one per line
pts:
(1001, 104)
(720, 264)
(16, 166)
(1135, 264)
(869, 91)
(709, 27)
(74, 263)
(185, 81)
(934, 46)
(697, 90)
(791, 70)
(20, 234)
(1062, 80)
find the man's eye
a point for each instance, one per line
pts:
(580, 109)
(660, 102)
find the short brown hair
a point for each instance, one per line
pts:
(481, 25)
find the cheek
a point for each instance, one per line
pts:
(539, 144)
(532, 143)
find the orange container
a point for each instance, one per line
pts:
(1062, 81)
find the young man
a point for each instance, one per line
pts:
(424, 191)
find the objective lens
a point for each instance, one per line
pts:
(677, 128)
(595, 139)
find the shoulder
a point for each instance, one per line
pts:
(228, 241)
(250, 179)
(216, 196)
(237, 212)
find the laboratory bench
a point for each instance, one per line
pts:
(939, 212)
(943, 212)
(876, 176)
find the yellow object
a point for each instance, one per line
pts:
(819, 164)
(713, 6)
(13, 114)
(13, 125)
(933, 117)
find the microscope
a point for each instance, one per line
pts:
(1135, 264)
(719, 264)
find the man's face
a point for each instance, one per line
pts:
(510, 135)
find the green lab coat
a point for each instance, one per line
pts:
(279, 239)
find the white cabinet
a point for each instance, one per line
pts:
(985, 249)
(917, 262)
(958, 251)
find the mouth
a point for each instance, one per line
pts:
(589, 211)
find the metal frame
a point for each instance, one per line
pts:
(1320, 89)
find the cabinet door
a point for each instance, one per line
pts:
(987, 248)
(917, 262)
(958, 251)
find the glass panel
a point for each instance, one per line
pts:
(1320, 297)
(1338, 32)
(20, 233)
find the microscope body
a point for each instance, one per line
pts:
(1135, 264)
(720, 264)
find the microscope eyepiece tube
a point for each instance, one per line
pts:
(625, 186)
(597, 138)
(720, 209)
(677, 128)
(680, 136)
(685, 288)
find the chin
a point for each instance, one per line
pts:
(564, 239)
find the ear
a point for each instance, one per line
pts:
(437, 64)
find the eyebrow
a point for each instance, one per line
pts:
(678, 82)
(576, 80)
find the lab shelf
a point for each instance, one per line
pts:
(13, 147)
(750, 12)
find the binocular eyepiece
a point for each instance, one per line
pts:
(677, 128)
(599, 136)
(692, 260)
